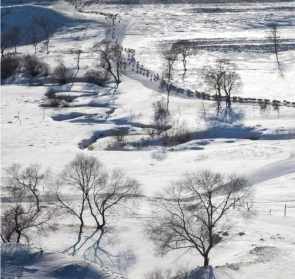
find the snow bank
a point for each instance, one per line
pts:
(202, 273)
(19, 261)
(23, 17)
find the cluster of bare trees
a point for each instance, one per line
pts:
(161, 116)
(189, 215)
(184, 51)
(97, 193)
(224, 80)
(10, 38)
(40, 30)
(170, 56)
(24, 212)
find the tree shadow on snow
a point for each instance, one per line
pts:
(25, 19)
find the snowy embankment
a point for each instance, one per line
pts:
(18, 261)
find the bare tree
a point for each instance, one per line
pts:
(76, 3)
(170, 57)
(46, 28)
(24, 213)
(111, 59)
(231, 83)
(184, 51)
(223, 79)
(34, 36)
(14, 37)
(9, 39)
(161, 116)
(78, 53)
(274, 37)
(193, 210)
(4, 43)
(98, 193)
(213, 77)
(78, 56)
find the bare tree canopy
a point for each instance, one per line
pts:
(46, 28)
(184, 51)
(9, 39)
(192, 210)
(111, 59)
(98, 192)
(169, 58)
(275, 39)
(223, 79)
(161, 116)
(24, 186)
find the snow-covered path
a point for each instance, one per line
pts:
(274, 170)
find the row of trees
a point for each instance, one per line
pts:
(96, 192)
(110, 67)
(189, 214)
(40, 30)
(222, 78)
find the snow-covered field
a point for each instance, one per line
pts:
(258, 145)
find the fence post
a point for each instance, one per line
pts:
(285, 210)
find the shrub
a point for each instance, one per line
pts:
(159, 154)
(33, 67)
(177, 135)
(91, 147)
(50, 94)
(56, 100)
(96, 77)
(61, 74)
(119, 139)
(52, 100)
(263, 106)
(9, 66)
(51, 103)
(161, 116)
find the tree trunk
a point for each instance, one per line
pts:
(206, 260)
(18, 236)
(184, 65)
(168, 100)
(228, 101)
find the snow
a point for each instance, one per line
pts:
(258, 145)
(22, 261)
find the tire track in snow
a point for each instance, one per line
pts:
(273, 170)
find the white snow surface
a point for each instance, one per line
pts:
(259, 146)
(19, 261)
